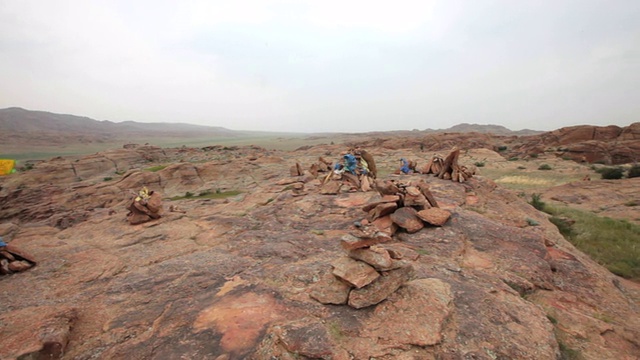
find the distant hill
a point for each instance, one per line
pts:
(17, 120)
(489, 129)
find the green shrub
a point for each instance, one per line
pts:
(156, 168)
(634, 171)
(108, 178)
(532, 222)
(479, 163)
(502, 148)
(515, 158)
(544, 167)
(537, 202)
(611, 173)
(188, 194)
(533, 156)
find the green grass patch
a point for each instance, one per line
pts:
(207, 195)
(613, 243)
(567, 353)
(544, 167)
(156, 168)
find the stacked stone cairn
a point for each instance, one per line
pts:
(372, 270)
(408, 206)
(367, 275)
(447, 168)
(13, 260)
(297, 179)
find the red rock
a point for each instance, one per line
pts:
(418, 311)
(418, 200)
(424, 189)
(400, 251)
(7, 255)
(20, 265)
(138, 218)
(378, 257)
(20, 254)
(434, 216)
(385, 224)
(288, 181)
(4, 267)
(354, 272)
(384, 199)
(386, 187)
(406, 218)
(382, 210)
(309, 341)
(332, 187)
(330, 290)
(350, 242)
(380, 289)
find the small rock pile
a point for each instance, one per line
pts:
(145, 206)
(404, 205)
(13, 260)
(448, 168)
(369, 273)
(322, 166)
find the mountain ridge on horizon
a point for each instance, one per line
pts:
(14, 119)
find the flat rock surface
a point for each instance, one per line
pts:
(434, 216)
(230, 277)
(417, 310)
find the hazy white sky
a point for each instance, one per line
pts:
(325, 65)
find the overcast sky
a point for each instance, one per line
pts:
(325, 65)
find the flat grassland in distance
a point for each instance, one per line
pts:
(527, 175)
(272, 141)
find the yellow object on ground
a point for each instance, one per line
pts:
(143, 194)
(6, 166)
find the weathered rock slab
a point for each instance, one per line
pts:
(330, 290)
(414, 315)
(407, 219)
(355, 272)
(378, 257)
(434, 216)
(380, 289)
(350, 242)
